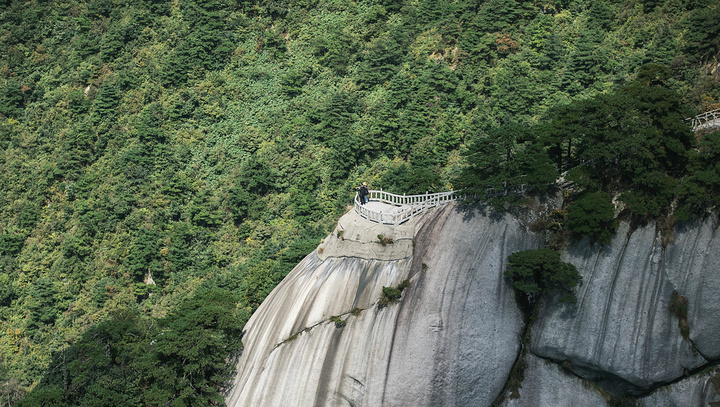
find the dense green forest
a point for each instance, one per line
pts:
(164, 164)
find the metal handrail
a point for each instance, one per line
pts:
(705, 120)
(410, 205)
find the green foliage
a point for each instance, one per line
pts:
(204, 212)
(44, 305)
(701, 189)
(8, 290)
(391, 295)
(11, 391)
(104, 289)
(106, 102)
(505, 162)
(12, 244)
(384, 240)
(239, 202)
(11, 98)
(406, 178)
(592, 215)
(144, 256)
(193, 346)
(634, 141)
(678, 306)
(381, 60)
(149, 129)
(703, 25)
(540, 272)
(339, 322)
(216, 141)
(204, 43)
(128, 360)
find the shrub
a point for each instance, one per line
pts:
(593, 216)
(539, 225)
(540, 272)
(678, 307)
(339, 322)
(391, 295)
(385, 240)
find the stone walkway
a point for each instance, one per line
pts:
(383, 207)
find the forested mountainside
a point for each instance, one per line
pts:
(164, 164)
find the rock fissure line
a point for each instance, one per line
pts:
(650, 294)
(559, 364)
(696, 350)
(690, 373)
(390, 356)
(608, 300)
(366, 258)
(512, 375)
(311, 327)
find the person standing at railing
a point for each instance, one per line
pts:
(363, 193)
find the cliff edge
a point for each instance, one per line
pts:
(451, 340)
(321, 339)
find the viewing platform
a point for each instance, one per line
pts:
(706, 121)
(392, 209)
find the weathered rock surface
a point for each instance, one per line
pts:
(357, 237)
(546, 384)
(456, 333)
(692, 264)
(698, 390)
(621, 332)
(451, 341)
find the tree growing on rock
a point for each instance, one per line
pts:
(593, 216)
(540, 272)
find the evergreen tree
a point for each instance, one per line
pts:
(11, 98)
(540, 272)
(106, 103)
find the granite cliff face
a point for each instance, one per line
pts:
(455, 335)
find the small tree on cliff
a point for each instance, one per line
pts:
(541, 272)
(593, 216)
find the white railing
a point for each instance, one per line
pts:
(407, 205)
(707, 120)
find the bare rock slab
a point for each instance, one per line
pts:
(451, 341)
(621, 332)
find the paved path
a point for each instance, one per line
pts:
(384, 208)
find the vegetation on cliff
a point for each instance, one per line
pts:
(163, 164)
(540, 273)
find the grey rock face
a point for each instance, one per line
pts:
(692, 264)
(694, 391)
(621, 332)
(546, 385)
(456, 333)
(451, 341)
(458, 330)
